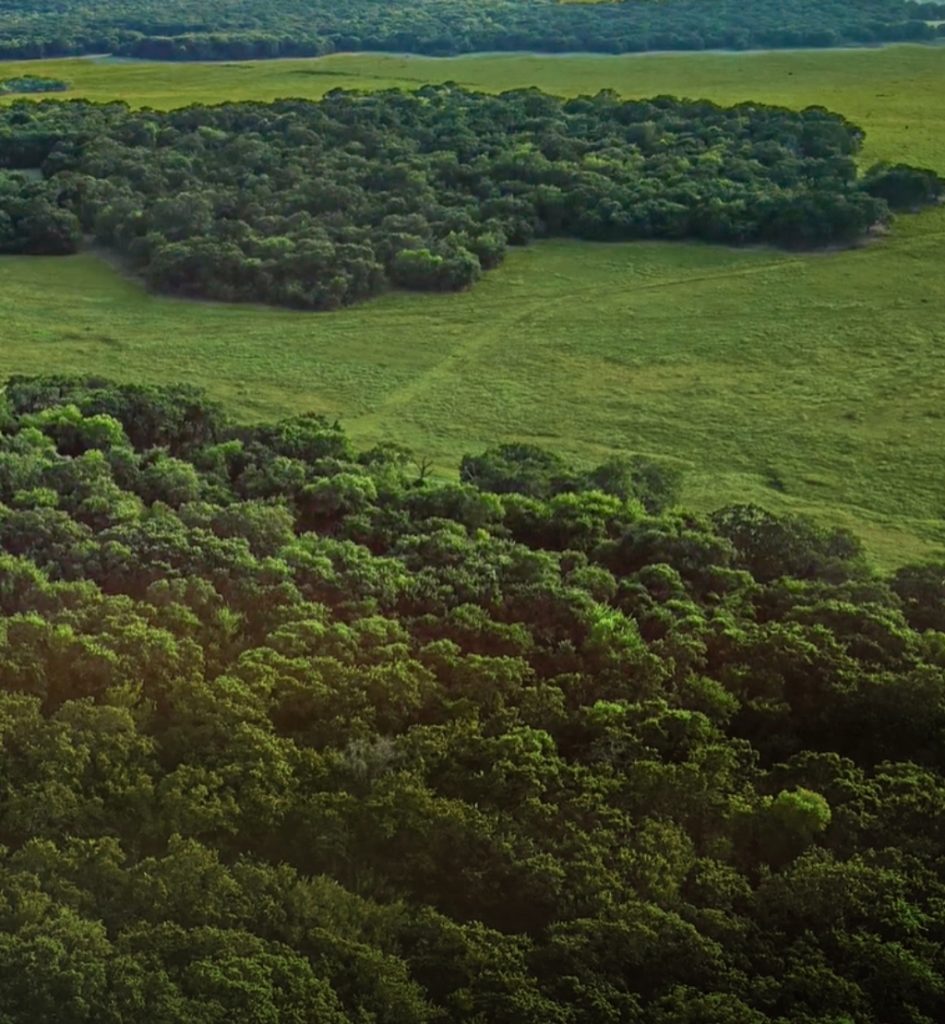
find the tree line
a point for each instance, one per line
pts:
(290, 732)
(322, 204)
(217, 30)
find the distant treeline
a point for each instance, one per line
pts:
(216, 30)
(321, 204)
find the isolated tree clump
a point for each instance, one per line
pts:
(317, 205)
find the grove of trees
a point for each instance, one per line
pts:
(30, 84)
(216, 29)
(322, 204)
(290, 733)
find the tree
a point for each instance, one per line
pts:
(516, 469)
(771, 546)
(903, 187)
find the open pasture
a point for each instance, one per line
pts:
(810, 382)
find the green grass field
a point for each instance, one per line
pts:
(806, 382)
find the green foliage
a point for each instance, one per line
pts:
(322, 205)
(32, 221)
(922, 590)
(903, 187)
(285, 28)
(287, 734)
(788, 825)
(31, 83)
(769, 546)
(423, 270)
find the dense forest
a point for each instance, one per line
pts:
(321, 204)
(216, 29)
(291, 733)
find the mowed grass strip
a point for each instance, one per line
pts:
(807, 382)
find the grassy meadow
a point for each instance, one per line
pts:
(807, 382)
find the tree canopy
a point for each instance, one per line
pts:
(31, 83)
(216, 29)
(321, 204)
(290, 732)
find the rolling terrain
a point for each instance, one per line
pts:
(806, 382)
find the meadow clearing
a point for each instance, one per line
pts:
(811, 382)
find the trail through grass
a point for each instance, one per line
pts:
(807, 382)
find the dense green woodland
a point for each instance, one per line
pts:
(215, 29)
(322, 204)
(290, 733)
